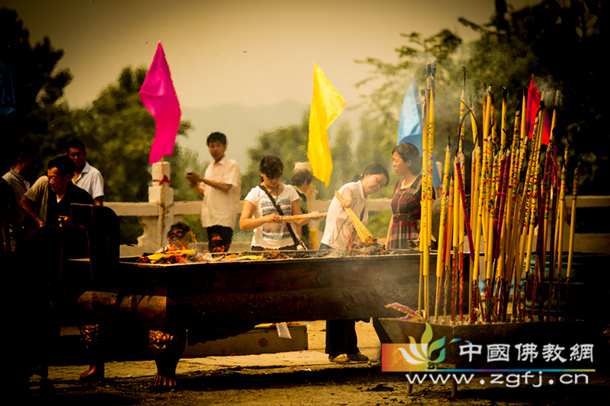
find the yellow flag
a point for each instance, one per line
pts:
(326, 105)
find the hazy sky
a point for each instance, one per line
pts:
(251, 52)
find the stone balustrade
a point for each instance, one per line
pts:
(161, 211)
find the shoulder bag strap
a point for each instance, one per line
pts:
(297, 241)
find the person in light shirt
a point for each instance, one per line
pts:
(85, 176)
(265, 205)
(341, 338)
(219, 188)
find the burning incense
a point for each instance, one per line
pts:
(560, 218)
(428, 198)
(572, 229)
(441, 234)
(514, 192)
(451, 212)
(407, 310)
(364, 234)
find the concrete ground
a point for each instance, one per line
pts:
(314, 357)
(295, 378)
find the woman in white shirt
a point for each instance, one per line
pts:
(266, 203)
(341, 339)
(339, 229)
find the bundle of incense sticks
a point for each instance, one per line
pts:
(515, 214)
(364, 234)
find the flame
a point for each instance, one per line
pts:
(218, 248)
(357, 247)
(274, 254)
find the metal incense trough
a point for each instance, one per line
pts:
(255, 291)
(221, 299)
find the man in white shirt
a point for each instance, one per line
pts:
(86, 176)
(219, 187)
(19, 177)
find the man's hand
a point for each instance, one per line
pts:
(193, 178)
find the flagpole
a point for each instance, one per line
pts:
(163, 208)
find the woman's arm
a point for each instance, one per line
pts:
(296, 210)
(347, 195)
(249, 223)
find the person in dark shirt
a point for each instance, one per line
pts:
(48, 201)
(50, 239)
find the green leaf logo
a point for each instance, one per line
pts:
(419, 355)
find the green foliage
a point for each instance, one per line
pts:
(36, 85)
(379, 222)
(547, 40)
(543, 40)
(117, 131)
(290, 144)
(345, 163)
(287, 143)
(383, 105)
(183, 161)
(131, 229)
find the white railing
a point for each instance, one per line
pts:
(161, 212)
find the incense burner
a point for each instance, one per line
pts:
(220, 299)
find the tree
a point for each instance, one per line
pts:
(118, 131)
(380, 120)
(512, 47)
(546, 40)
(290, 145)
(37, 87)
(345, 162)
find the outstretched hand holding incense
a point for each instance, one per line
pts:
(347, 199)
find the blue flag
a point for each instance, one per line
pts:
(410, 126)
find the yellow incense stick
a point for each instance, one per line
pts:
(572, 223)
(364, 234)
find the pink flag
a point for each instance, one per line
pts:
(533, 104)
(159, 97)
